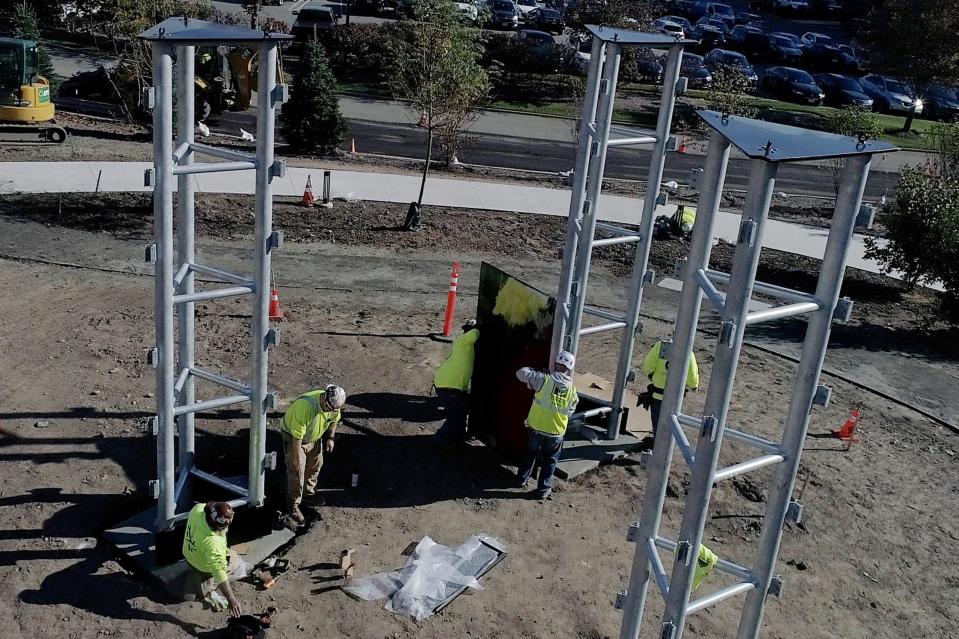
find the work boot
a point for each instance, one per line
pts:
(297, 515)
(543, 495)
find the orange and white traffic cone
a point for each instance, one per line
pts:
(848, 431)
(308, 192)
(682, 145)
(275, 312)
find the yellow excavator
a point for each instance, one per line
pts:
(26, 111)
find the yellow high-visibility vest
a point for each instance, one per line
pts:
(457, 371)
(551, 408)
(203, 547)
(305, 419)
(655, 365)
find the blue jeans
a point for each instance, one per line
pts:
(454, 404)
(654, 409)
(544, 449)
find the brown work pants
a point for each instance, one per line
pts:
(303, 463)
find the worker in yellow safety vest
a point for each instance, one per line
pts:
(206, 554)
(683, 220)
(311, 417)
(452, 383)
(554, 401)
(655, 365)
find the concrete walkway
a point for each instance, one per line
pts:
(84, 177)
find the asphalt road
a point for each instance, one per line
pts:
(513, 152)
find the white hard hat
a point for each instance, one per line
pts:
(335, 396)
(567, 359)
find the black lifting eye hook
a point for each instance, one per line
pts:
(767, 148)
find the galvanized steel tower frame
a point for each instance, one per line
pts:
(585, 205)
(175, 291)
(767, 145)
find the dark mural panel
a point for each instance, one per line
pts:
(516, 326)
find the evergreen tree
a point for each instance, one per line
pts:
(312, 122)
(25, 26)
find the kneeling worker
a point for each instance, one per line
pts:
(205, 551)
(683, 220)
(313, 415)
(554, 401)
(452, 383)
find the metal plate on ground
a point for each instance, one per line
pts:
(482, 561)
(589, 448)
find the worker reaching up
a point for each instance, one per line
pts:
(452, 383)
(554, 401)
(655, 365)
(311, 417)
(206, 554)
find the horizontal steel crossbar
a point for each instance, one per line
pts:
(592, 412)
(223, 275)
(201, 296)
(720, 595)
(722, 565)
(209, 404)
(771, 290)
(222, 380)
(622, 239)
(599, 328)
(642, 139)
(225, 154)
(747, 466)
(212, 167)
(220, 482)
(615, 230)
(737, 435)
(781, 312)
(598, 312)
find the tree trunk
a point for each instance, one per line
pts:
(907, 127)
(429, 158)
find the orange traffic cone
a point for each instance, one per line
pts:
(848, 431)
(682, 146)
(275, 312)
(308, 192)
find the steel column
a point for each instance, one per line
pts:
(265, 124)
(641, 258)
(577, 196)
(714, 175)
(163, 280)
(852, 185)
(185, 253)
(745, 262)
(594, 189)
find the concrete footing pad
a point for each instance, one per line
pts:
(587, 449)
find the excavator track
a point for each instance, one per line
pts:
(32, 133)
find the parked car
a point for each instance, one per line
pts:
(683, 22)
(792, 84)
(667, 27)
(829, 9)
(503, 14)
(782, 49)
(811, 37)
(749, 40)
(749, 18)
(524, 7)
(694, 70)
(716, 23)
(890, 95)
(722, 12)
(790, 6)
(941, 103)
(851, 60)
(312, 21)
(707, 37)
(546, 19)
(724, 58)
(843, 90)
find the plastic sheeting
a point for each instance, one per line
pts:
(433, 575)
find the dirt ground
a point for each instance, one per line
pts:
(871, 559)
